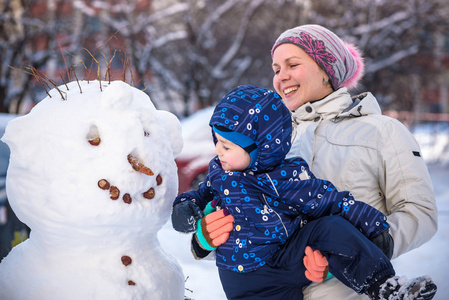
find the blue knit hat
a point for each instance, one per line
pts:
(254, 117)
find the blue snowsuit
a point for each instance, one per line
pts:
(280, 207)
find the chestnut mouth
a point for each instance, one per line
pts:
(114, 191)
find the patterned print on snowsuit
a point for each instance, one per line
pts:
(270, 201)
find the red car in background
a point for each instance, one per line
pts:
(198, 149)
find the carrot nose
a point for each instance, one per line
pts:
(138, 166)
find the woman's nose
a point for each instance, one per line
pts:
(282, 75)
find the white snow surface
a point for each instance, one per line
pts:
(79, 234)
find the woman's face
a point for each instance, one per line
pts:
(297, 77)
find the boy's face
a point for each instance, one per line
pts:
(232, 156)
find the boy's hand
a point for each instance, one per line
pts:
(213, 230)
(185, 216)
(316, 265)
(385, 242)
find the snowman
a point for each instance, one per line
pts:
(92, 173)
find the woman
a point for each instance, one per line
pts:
(347, 140)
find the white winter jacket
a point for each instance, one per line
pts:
(350, 143)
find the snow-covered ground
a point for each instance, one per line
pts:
(431, 259)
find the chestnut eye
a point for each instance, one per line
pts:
(95, 142)
(93, 136)
(159, 179)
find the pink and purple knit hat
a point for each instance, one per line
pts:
(341, 61)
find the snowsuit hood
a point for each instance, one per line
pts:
(259, 114)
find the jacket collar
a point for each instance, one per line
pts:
(337, 105)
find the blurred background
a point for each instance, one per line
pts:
(186, 54)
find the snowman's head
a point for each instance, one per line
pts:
(101, 157)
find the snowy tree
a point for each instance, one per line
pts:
(398, 40)
(186, 54)
(198, 50)
(195, 51)
(33, 32)
(15, 36)
(230, 43)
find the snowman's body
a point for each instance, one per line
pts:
(94, 177)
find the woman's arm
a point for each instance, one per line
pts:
(405, 181)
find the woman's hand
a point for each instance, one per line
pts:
(385, 242)
(316, 265)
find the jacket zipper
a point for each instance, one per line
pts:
(266, 206)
